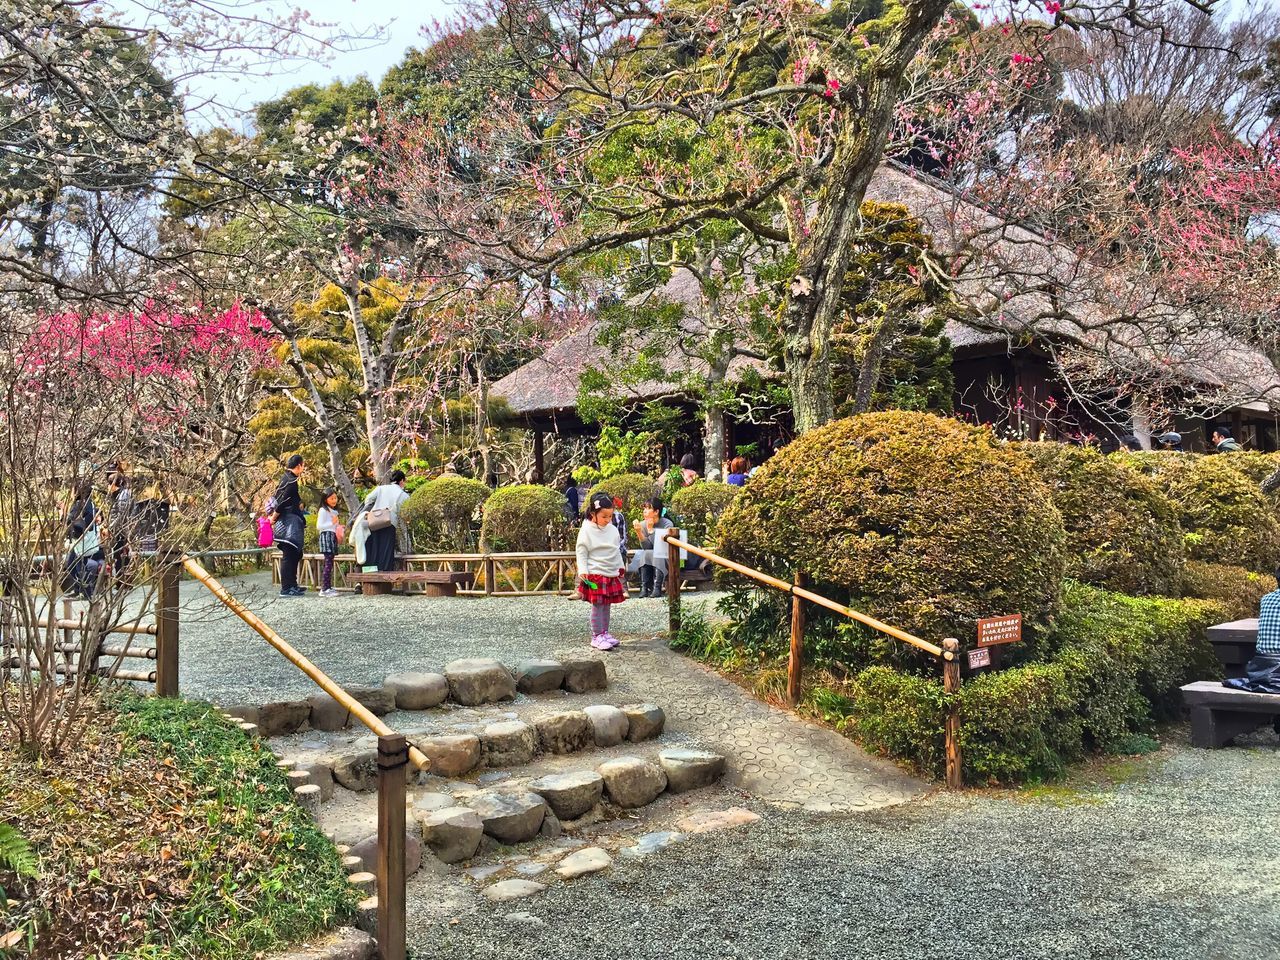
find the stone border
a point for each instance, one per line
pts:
(471, 682)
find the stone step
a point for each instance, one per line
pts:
(469, 682)
(544, 807)
(507, 743)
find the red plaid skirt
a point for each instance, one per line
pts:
(608, 589)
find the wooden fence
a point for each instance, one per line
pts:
(494, 574)
(948, 654)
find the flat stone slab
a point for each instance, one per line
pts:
(644, 721)
(451, 756)
(588, 860)
(517, 889)
(377, 700)
(320, 776)
(367, 851)
(539, 676)
(417, 691)
(632, 781)
(508, 744)
(584, 676)
(708, 821)
(476, 681)
(652, 843)
(510, 817)
(569, 795)
(327, 714)
(282, 718)
(609, 725)
(347, 943)
(567, 731)
(357, 771)
(452, 834)
(690, 769)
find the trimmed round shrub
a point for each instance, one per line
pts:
(520, 518)
(1238, 592)
(923, 522)
(439, 512)
(1122, 532)
(633, 489)
(1224, 514)
(698, 508)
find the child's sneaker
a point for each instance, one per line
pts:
(600, 643)
(329, 594)
(611, 640)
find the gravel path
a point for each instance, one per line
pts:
(1180, 863)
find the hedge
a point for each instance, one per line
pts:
(439, 513)
(521, 518)
(699, 507)
(1237, 591)
(633, 489)
(1122, 532)
(1224, 514)
(921, 521)
(1113, 667)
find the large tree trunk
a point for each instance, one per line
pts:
(713, 436)
(813, 301)
(374, 385)
(864, 390)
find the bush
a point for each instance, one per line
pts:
(439, 513)
(1122, 532)
(520, 518)
(1224, 514)
(1237, 591)
(633, 489)
(923, 522)
(699, 508)
(1255, 465)
(1113, 665)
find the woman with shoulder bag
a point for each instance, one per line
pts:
(382, 517)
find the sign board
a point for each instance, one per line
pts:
(980, 657)
(995, 630)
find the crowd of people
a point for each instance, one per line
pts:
(101, 539)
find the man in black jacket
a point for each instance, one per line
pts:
(289, 525)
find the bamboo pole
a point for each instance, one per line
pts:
(148, 629)
(357, 709)
(951, 685)
(795, 664)
(393, 755)
(814, 598)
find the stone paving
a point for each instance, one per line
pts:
(773, 755)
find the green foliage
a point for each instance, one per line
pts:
(633, 489)
(628, 452)
(700, 639)
(521, 518)
(1237, 592)
(895, 313)
(1224, 514)
(299, 891)
(920, 521)
(1122, 532)
(439, 513)
(1111, 667)
(16, 855)
(699, 508)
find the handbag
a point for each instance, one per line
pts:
(378, 519)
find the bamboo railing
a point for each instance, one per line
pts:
(948, 653)
(516, 574)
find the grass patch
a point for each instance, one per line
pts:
(167, 833)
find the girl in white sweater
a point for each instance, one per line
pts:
(600, 570)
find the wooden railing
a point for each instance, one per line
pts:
(495, 574)
(394, 754)
(948, 654)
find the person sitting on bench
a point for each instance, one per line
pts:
(1262, 672)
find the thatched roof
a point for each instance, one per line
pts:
(1160, 347)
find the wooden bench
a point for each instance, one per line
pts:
(1235, 644)
(1219, 713)
(434, 583)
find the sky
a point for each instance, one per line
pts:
(399, 20)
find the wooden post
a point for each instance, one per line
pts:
(393, 756)
(167, 623)
(951, 685)
(673, 587)
(795, 665)
(488, 575)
